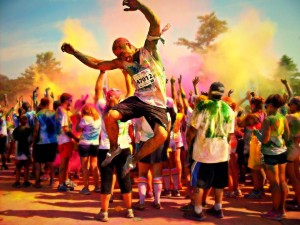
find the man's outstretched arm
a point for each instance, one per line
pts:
(91, 61)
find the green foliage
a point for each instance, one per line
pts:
(211, 27)
(288, 70)
(45, 65)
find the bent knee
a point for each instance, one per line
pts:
(112, 115)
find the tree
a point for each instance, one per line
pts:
(288, 70)
(45, 66)
(211, 27)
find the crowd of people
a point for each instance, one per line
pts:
(211, 138)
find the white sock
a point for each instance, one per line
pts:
(198, 209)
(218, 206)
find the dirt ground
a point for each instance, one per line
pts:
(46, 206)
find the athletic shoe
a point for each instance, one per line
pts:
(62, 188)
(127, 166)
(188, 207)
(139, 206)
(272, 215)
(216, 213)
(253, 195)
(192, 215)
(129, 213)
(85, 191)
(70, 184)
(238, 193)
(97, 190)
(166, 193)
(175, 193)
(155, 205)
(102, 217)
(110, 156)
(26, 184)
(16, 184)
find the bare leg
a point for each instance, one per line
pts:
(160, 135)
(111, 121)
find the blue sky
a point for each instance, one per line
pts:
(29, 27)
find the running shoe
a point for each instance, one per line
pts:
(166, 193)
(127, 166)
(97, 190)
(129, 214)
(102, 216)
(110, 156)
(139, 206)
(26, 184)
(272, 215)
(156, 205)
(253, 195)
(216, 213)
(85, 191)
(188, 207)
(62, 188)
(192, 215)
(175, 193)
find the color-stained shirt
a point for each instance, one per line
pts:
(63, 120)
(48, 127)
(149, 79)
(3, 126)
(214, 121)
(276, 144)
(90, 130)
(294, 125)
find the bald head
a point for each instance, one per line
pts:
(123, 49)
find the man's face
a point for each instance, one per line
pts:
(69, 104)
(124, 51)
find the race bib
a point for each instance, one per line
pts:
(143, 79)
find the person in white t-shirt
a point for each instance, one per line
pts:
(103, 104)
(211, 124)
(65, 139)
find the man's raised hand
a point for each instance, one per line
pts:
(132, 4)
(66, 47)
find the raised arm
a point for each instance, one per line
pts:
(288, 89)
(91, 61)
(154, 21)
(183, 95)
(173, 92)
(195, 82)
(99, 86)
(154, 29)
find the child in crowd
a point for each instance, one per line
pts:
(22, 135)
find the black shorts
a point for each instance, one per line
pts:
(107, 172)
(207, 175)
(44, 153)
(88, 150)
(133, 107)
(21, 163)
(275, 159)
(3, 141)
(159, 155)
